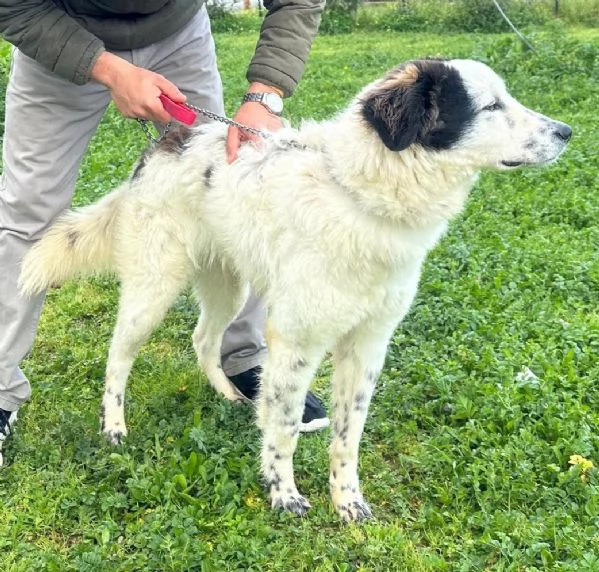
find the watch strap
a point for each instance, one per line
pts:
(259, 97)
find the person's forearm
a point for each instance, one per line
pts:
(285, 39)
(257, 87)
(109, 68)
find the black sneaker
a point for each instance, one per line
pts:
(7, 419)
(315, 415)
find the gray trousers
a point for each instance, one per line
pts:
(49, 123)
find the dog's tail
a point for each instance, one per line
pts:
(79, 242)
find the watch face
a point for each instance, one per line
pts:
(273, 102)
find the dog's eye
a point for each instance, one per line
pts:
(495, 106)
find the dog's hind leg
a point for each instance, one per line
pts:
(145, 299)
(358, 358)
(221, 297)
(286, 377)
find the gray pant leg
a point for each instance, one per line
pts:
(244, 346)
(49, 123)
(188, 60)
(192, 68)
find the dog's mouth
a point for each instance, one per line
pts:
(516, 164)
(512, 164)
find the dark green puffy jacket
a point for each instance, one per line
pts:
(67, 36)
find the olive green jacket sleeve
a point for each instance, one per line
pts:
(50, 36)
(285, 40)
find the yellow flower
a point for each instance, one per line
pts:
(252, 501)
(585, 465)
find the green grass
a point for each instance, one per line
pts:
(464, 461)
(438, 16)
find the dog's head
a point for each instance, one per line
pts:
(460, 106)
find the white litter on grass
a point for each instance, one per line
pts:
(527, 377)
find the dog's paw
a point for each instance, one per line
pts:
(112, 418)
(233, 394)
(353, 508)
(294, 503)
(114, 436)
(223, 385)
(112, 426)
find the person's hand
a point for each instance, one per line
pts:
(134, 90)
(254, 115)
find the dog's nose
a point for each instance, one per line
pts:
(563, 131)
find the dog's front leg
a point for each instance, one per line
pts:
(357, 359)
(285, 380)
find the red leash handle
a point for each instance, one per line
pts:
(179, 111)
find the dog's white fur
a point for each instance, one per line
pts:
(331, 235)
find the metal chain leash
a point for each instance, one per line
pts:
(231, 122)
(143, 123)
(211, 115)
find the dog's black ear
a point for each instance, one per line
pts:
(403, 108)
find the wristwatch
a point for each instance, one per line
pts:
(272, 101)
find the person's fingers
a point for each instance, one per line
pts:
(253, 115)
(137, 95)
(156, 112)
(169, 89)
(233, 142)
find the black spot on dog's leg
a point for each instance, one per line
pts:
(299, 364)
(208, 176)
(343, 434)
(290, 423)
(372, 376)
(360, 402)
(273, 481)
(102, 417)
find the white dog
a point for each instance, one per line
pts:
(329, 224)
